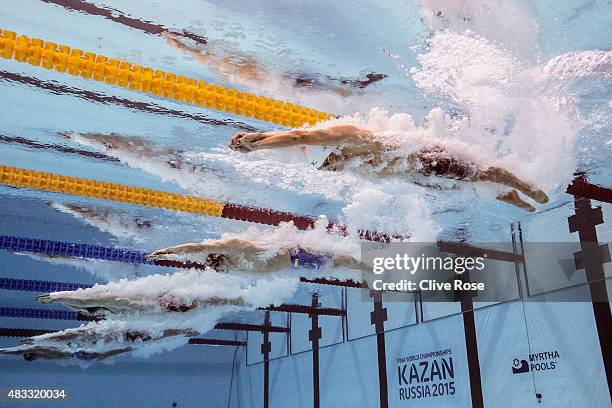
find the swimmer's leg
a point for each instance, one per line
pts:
(502, 176)
(348, 262)
(435, 161)
(370, 78)
(513, 198)
(304, 81)
(112, 353)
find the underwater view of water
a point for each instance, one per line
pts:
(521, 85)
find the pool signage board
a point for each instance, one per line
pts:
(427, 365)
(426, 375)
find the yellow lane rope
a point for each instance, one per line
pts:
(16, 177)
(38, 180)
(76, 62)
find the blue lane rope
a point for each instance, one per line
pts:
(70, 249)
(26, 313)
(39, 286)
(299, 257)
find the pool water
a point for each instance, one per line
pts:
(487, 92)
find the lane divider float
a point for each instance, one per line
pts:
(44, 181)
(49, 314)
(74, 61)
(28, 285)
(72, 250)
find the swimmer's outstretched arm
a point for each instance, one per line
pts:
(201, 56)
(221, 246)
(333, 135)
(219, 255)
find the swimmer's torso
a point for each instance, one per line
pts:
(427, 161)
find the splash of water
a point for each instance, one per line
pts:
(187, 286)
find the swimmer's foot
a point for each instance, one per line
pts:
(537, 195)
(530, 191)
(245, 142)
(503, 176)
(513, 198)
(370, 79)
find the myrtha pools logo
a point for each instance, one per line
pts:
(547, 360)
(519, 366)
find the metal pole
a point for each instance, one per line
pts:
(314, 335)
(378, 317)
(266, 347)
(592, 258)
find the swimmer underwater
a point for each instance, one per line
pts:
(343, 145)
(351, 142)
(245, 256)
(88, 343)
(239, 68)
(348, 142)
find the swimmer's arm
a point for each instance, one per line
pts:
(175, 250)
(221, 246)
(173, 41)
(334, 135)
(340, 134)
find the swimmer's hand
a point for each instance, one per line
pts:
(246, 142)
(172, 40)
(46, 298)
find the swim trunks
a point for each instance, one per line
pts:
(438, 162)
(303, 259)
(86, 356)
